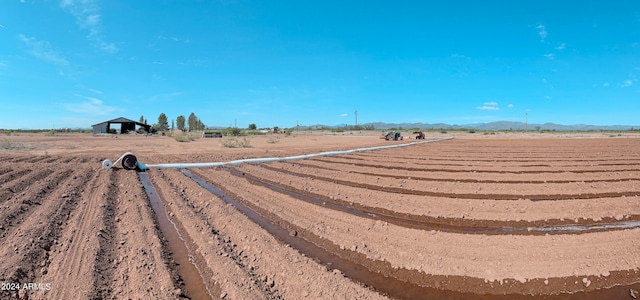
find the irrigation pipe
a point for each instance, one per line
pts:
(130, 162)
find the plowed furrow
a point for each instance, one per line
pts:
(524, 159)
(506, 181)
(11, 190)
(456, 225)
(11, 175)
(73, 256)
(486, 170)
(18, 208)
(463, 177)
(33, 237)
(133, 247)
(103, 266)
(362, 241)
(594, 210)
(532, 197)
(5, 169)
(210, 248)
(499, 163)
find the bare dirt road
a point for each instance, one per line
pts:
(501, 216)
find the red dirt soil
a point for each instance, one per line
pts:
(462, 216)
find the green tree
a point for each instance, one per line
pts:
(141, 120)
(163, 123)
(193, 122)
(252, 126)
(180, 122)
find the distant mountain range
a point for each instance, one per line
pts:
(499, 125)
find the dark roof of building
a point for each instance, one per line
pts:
(123, 120)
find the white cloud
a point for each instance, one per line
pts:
(343, 115)
(164, 96)
(510, 106)
(93, 106)
(629, 82)
(549, 56)
(542, 32)
(456, 55)
(561, 47)
(606, 84)
(95, 91)
(87, 14)
(175, 39)
(491, 106)
(42, 50)
(1, 26)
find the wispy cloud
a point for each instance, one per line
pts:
(561, 47)
(550, 56)
(629, 82)
(344, 115)
(164, 96)
(457, 55)
(94, 90)
(42, 50)
(92, 106)
(510, 106)
(172, 38)
(606, 84)
(491, 106)
(88, 17)
(542, 31)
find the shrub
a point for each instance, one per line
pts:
(236, 143)
(186, 137)
(273, 140)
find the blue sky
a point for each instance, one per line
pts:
(74, 63)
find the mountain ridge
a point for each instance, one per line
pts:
(497, 125)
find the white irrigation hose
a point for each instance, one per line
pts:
(272, 159)
(129, 162)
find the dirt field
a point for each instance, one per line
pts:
(504, 216)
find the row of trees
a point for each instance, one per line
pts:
(194, 123)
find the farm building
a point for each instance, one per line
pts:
(126, 126)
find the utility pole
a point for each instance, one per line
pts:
(526, 121)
